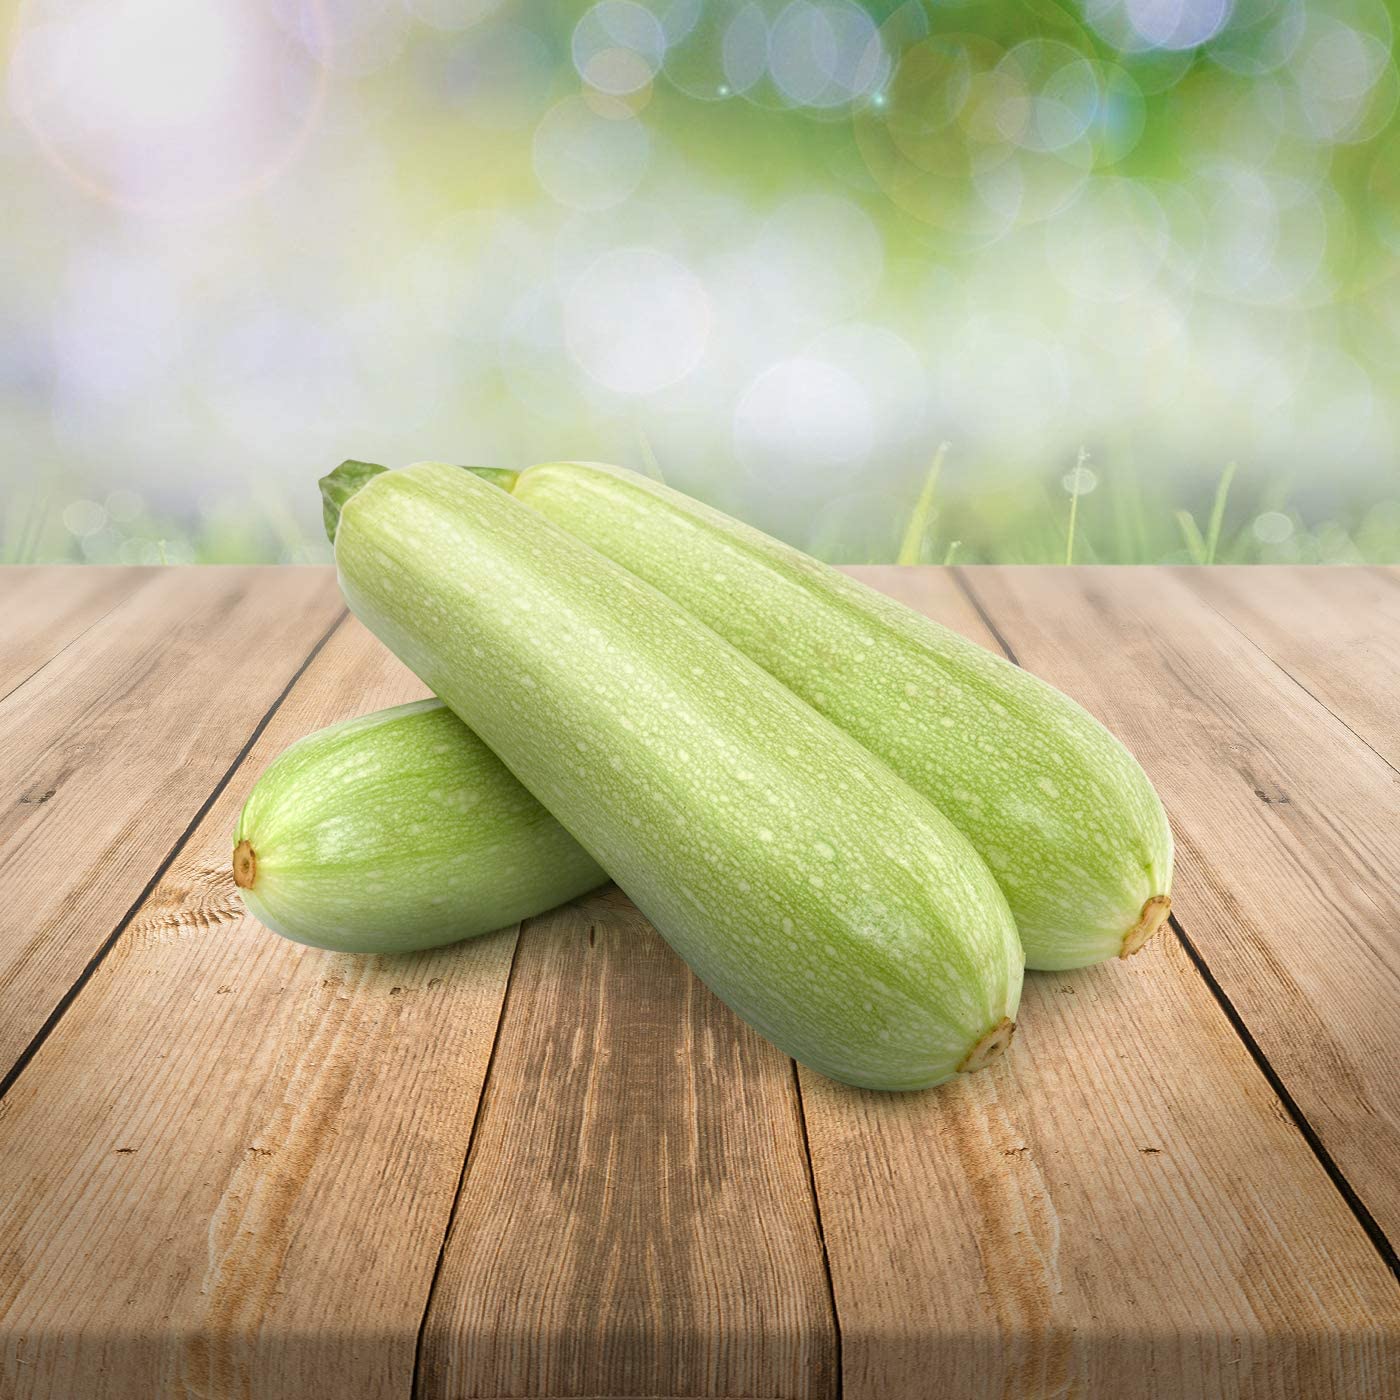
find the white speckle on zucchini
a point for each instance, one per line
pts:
(1089, 853)
(945, 970)
(349, 838)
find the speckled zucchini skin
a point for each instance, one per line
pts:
(1058, 808)
(823, 899)
(398, 831)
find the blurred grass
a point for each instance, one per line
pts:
(1119, 519)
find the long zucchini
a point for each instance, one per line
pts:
(1060, 810)
(398, 831)
(822, 898)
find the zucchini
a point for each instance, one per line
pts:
(1060, 810)
(823, 899)
(398, 831)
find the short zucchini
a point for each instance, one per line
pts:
(1060, 810)
(834, 908)
(398, 831)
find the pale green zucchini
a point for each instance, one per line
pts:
(828, 903)
(1059, 809)
(398, 831)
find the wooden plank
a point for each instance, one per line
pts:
(1288, 835)
(636, 1217)
(229, 1169)
(1335, 631)
(46, 606)
(109, 751)
(1121, 1207)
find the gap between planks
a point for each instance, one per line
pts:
(415, 1387)
(7, 1080)
(293, 1076)
(839, 1377)
(481, 1098)
(574, 1309)
(113, 940)
(1367, 1221)
(1377, 1236)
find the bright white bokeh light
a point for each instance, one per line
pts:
(1079, 481)
(1335, 407)
(1111, 243)
(1051, 95)
(1273, 527)
(823, 53)
(1260, 36)
(399, 370)
(140, 66)
(817, 257)
(533, 359)
(117, 328)
(1177, 24)
(590, 159)
(637, 321)
(1337, 69)
(618, 46)
(1027, 186)
(159, 103)
(83, 518)
(1263, 240)
(276, 375)
(1003, 377)
(1246, 375)
(470, 269)
(805, 422)
(1127, 357)
(887, 366)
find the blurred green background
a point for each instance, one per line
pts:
(1113, 280)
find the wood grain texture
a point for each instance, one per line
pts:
(1121, 1208)
(109, 751)
(636, 1218)
(1287, 827)
(47, 606)
(228, 1171)
(230, 1168)
(1335, 631)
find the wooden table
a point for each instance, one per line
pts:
(549, 1163)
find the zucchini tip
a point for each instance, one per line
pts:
(1153, 916)
(991, 1046)
(245, 865)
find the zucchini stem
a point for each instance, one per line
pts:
(245, 865)
(497, 476)
(338, 486)
(1154, 915)
(991, 1047)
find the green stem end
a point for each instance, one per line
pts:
(497, 476)
(339, 486)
